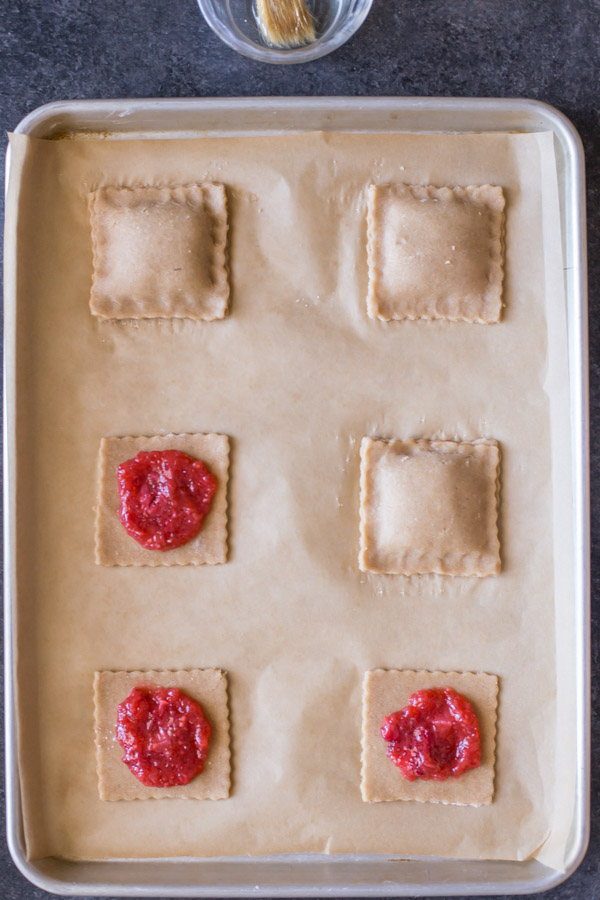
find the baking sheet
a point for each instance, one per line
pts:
(309, 376)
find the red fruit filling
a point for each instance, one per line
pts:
(434, 737)
(164, 734)
(165, 497)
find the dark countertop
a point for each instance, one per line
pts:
(543, 49)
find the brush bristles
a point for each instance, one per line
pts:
(285, 23)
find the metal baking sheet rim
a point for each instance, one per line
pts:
(320, 875)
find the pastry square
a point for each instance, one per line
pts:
(159, 252)
(114, 547)
(386, 692)
(429, 506)
(435, 253)
(208, 687)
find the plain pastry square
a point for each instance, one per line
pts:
(386, 692)
(435, 253)
(208, 687)
(114, 547)
(159, 252)
(429, 506)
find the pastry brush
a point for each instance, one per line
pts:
(285, 23)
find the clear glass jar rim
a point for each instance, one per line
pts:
(329, 42)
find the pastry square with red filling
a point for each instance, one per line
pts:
(115, 547)
(386, 691)
(208, 687)
(435, 253)
(159, 252)
(429, 507)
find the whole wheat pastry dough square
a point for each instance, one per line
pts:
(208, 687)
(435, 253)
(159, 252)
(386, 691)
(114, 547)
(429, 506)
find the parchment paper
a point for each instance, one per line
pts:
(296, 375)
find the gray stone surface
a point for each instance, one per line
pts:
(545, 49)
